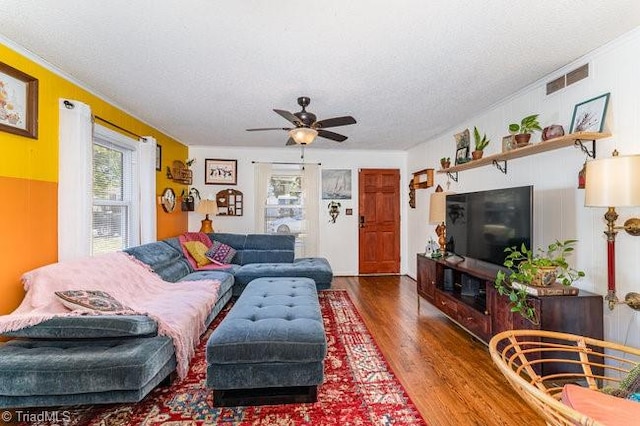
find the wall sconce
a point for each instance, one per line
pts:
(437, 211)
(615, 182)
(206, 207)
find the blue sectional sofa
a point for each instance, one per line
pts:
(62, 351)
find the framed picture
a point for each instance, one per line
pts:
(463, 139)
(158, 157)
(462, 155)
(18, 102)
(220, 172)
(588, 116)
(336, 184)
(506, 143)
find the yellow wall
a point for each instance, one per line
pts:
(29, 176)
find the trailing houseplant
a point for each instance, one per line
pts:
(481, 143)
(523, 131)
(539, 268)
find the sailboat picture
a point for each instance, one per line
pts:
(336, 184)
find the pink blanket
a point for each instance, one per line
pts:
(180, 309)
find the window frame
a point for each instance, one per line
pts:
(110, 139)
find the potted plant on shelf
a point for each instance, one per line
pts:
(189, 196)
(481, 144)
(540, 268)
(445, 162)
(523, 131)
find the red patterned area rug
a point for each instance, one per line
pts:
(359, 387)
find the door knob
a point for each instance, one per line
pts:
(361, 221)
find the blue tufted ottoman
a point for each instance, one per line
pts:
(41, 373)
(271, 346)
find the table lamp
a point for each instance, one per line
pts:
(206, 207)
(615, 182)
(437, 211)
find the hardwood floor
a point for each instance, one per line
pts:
(448, 374)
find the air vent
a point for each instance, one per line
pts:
(568, 79)
(555, 85)
(578, 74)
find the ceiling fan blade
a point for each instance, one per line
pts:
(331, 135)
(290, 141)
(287, 116)
(335, 122)
(267, 128)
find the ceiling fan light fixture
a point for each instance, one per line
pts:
(303, 135)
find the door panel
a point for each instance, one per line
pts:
(379, 233)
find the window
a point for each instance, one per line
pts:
(114, 220)
(289, 192)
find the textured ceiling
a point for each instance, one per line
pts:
(205, 70)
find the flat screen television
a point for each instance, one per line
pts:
(482, 224)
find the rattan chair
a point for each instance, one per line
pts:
(524, 356)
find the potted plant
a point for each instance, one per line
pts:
(445, 162)
(523, 131)
(481, 144)
(540, 268)
(189, 196)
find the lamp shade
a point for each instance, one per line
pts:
(303, 135)
(207, 207)
(613, 182)
(437, 207)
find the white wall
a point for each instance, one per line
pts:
(337, 242)
(559, 211)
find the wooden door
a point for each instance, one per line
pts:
(379, 221)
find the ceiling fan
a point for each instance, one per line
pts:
(307, 127)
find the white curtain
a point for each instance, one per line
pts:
(311, 193)
(75, 180)
(147, 162)
(262, 176)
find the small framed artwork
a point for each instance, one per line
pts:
(336, 184)
(220, 172)
(506, 143)
(588, 116)
(462, 139)
(462, 155)
(18, 102)
(158, 157)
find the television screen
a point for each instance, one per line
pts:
(482, 224)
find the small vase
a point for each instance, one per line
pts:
(476, 155)
(445, 164)
(553, 131)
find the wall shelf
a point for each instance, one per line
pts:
(499, 160)
(422, 179)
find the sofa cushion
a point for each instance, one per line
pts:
(225, 277)
(266, 248)
(220, 253)
(316, 268)
(61, 367)
(198, 251)
(164, 257)
(90, 300)
(234, 240)
(192, 236)
(89, 327)
(606, 409)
